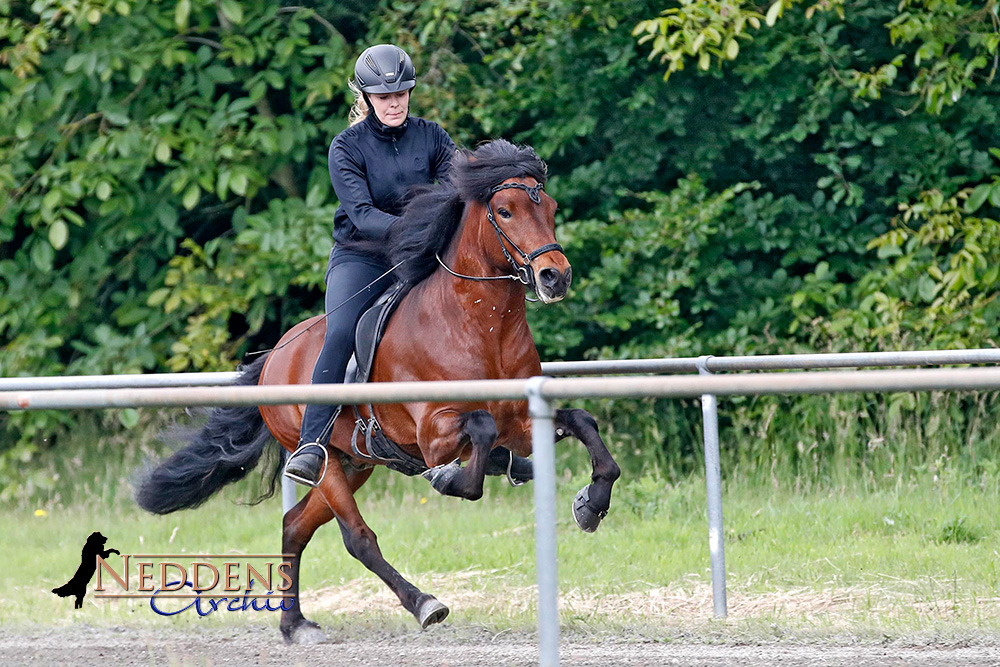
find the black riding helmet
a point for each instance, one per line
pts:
(384, 68)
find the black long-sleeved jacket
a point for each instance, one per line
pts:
(372, 166)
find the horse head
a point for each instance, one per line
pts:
(490, 220)
(503, 186)
(522, 217)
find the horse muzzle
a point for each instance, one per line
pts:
(551, 284)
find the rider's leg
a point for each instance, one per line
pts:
(342, 281)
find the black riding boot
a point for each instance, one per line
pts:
(307, 464)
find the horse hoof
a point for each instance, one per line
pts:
(441, 476)
(586, 518)
(305, 633)
(431, 611)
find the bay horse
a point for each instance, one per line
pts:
(463, 318)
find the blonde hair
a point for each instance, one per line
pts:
(359, 110)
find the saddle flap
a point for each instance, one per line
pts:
(371, 326)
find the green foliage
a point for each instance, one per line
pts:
(937, 283)
(830, 166)
(702, 30)
(956, 42)
(166, 204)
(164, 184)
(646, 264)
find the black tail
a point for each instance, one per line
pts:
(221, 452)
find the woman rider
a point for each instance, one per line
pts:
(373, 163)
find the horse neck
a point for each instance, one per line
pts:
(467, 254)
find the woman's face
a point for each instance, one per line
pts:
(391, 108)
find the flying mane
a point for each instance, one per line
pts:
(433, 214)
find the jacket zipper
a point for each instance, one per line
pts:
(395, 159)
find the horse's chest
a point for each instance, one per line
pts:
(517, 356)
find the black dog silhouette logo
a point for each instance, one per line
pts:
(77, 586)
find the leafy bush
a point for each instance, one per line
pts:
(824, 183)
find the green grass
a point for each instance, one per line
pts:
(906, 560)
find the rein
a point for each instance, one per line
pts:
(326, 315)
(522, 272)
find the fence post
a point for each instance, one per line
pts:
(288, 498)
(544, 465)
(713, 483)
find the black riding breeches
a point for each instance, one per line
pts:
(343, 280)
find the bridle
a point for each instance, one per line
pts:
(522, 272)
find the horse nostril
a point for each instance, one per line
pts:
(548, 276)
(568, 276)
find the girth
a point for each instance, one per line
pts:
(380, 448)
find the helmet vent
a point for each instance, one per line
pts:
(371, 64)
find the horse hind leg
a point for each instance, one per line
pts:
(361, 543)
(300, 523)
(592, 502)
(338, 490)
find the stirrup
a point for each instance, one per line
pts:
(302, 480)
(510, 478)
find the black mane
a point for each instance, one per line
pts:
(433, 213)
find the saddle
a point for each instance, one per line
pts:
(368, 333)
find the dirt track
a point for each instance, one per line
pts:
(259, 646)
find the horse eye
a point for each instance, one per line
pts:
(504, 213)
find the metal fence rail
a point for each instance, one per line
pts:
(541, 391)
(774, 362)
(117, 381)
(670, 386)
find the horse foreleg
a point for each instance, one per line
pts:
(448, 435)
(300, 523)
(592, 502)
(505, 463)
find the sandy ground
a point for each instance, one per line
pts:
(84, 645)
(670, 626)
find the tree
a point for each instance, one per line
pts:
(167, 204)
(956, 42)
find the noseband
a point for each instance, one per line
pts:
(522, 272)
